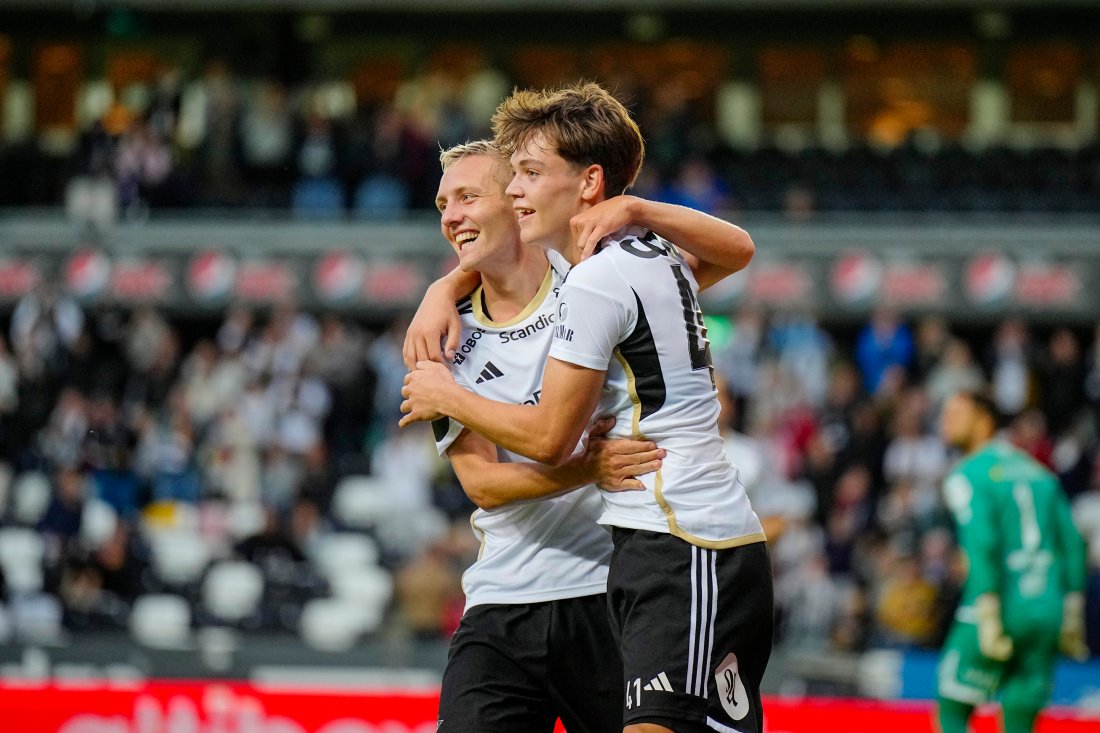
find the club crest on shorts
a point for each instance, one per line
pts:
(731, 689)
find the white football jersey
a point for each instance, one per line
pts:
(632, 309)
(542, 549)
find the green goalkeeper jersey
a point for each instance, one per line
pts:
(1015, 527)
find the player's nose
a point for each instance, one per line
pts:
(514, 189)
(449, 217)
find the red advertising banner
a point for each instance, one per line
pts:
(204, 707)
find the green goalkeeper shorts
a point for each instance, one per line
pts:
(1023, 682)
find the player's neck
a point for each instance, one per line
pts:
(509, 288)
(565, 244)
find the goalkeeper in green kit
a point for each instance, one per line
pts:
(1023, 598)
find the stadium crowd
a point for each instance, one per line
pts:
(249, 435)
(322, 150)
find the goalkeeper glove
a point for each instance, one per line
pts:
(1071, 639)
(992, 640)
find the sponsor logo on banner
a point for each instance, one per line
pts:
(778, 283)
(266, 281)
(1047, 285)
(911, 283)
(337, 277)
(210, 276)
(87, 273)
(855, 278)
(157, 707)
(393, 282)
(139, 280)
(989, 278)
(17, 278)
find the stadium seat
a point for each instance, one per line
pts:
(335, 624)
(232, 590)
(405, 533)
(367, 587)
(179, 556)
(317, 198)
(245, 519)
(21, 553)
(342, 551)
(97, 522)
(361, 502)
(37, 618)
(161, 621)
(381, 196)
(30, 496)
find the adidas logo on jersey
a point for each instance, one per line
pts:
(489, 372)
(659, 683)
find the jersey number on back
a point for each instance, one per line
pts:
(698, 345)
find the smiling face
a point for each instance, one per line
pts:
(546, 190)
(476, 216)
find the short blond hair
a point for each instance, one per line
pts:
(502, 171)
(584, 122)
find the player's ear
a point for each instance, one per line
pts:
(592, 183)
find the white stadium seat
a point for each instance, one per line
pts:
(98, 522)
(335, 624)
(30, 496)
(161, 621)
(232, 590)
(341, 551)
(21, 553)
(179, 556)
(361, 502)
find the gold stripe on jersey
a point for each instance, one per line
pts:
(482, 317)
(677, 531)
(674, 527)
(632, 391)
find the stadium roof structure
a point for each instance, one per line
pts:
(540, 5)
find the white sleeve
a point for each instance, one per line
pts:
(446, 430)
(590, 325)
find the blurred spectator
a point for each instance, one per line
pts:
(1028, 432)
(913, 455)
(429, 593)
(884, 345)
(267, 144)
(697, 186)
(61, 522)
(955, 371)
(108, 450)
(1011, 368)
(1061, 381)
(166, 452)
(803, 350)
(905, 611)
(44, 326)
(739, 360)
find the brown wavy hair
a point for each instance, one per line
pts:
(584, 122)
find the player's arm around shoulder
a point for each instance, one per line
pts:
(612, 464)
(437, 319)
(714, 248)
